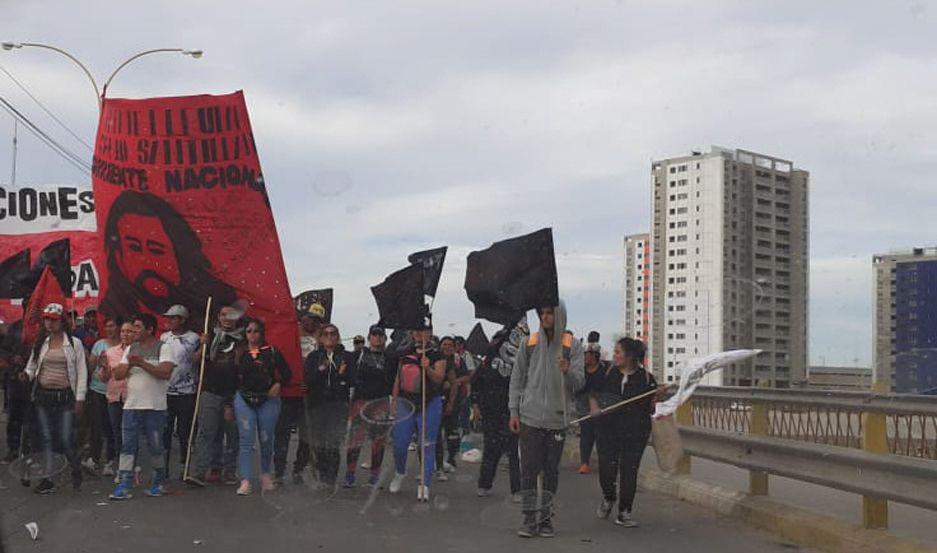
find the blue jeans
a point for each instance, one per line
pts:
(57, 434)
(152, 423)
(252, 421)
(409, 426)
(216, 440)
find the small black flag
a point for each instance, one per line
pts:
(432, 262)
(14, 274)
(477, 342)
(512, 277)
(57, 256)
(400, 300)
(308, 300)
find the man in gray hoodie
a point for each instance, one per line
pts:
(547, 373)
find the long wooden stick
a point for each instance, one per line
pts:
(611, 408)
(198, 392)
(419, 493)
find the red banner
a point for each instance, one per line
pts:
(183, 213)
(85, 279)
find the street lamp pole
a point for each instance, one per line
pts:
(12, 45)
(195, 54)
(99, 93)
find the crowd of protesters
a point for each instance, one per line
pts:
(95, 391)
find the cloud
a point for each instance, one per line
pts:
(385, 128)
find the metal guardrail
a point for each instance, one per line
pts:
(882, 446)
(902, 479)
(827, 417)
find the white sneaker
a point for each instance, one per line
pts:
(396, 483)
(90, 466)
(482, 492)
(448, 467)
(516, 498)
(442, 476)
(108, 469)
(422, 493)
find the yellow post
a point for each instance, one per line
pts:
(874, 440)
(685, 418)
(757, 479)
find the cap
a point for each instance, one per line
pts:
(358, 339)
(376, 330)
(177, 311)
(53, 311)
(315, 310)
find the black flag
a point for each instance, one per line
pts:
(477, 342)
(431, 261)
(57, 256)
(14, 274)
(512, 277)
(323, 297)
(400, 300)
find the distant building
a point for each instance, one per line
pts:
(906, 320)
(729, 244)
(840, 378)
(637, 315)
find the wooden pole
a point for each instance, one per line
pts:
(420, 494)
(198, 394)
(618, 405)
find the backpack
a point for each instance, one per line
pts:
(534, 339)
(411, 375)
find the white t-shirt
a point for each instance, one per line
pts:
(182, 381)
(145, 391)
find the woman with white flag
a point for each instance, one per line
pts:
(622, 434)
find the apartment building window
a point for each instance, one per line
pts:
(673, 170)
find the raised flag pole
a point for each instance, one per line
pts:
(421, 494)
(198, 397)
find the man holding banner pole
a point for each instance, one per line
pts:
(547, 371)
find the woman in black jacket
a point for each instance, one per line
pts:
(622, 434)
(328, 374)
(260, 372)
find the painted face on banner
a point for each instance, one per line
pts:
(147, 256)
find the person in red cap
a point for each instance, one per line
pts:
(58, 370)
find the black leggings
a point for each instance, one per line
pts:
(619, 458)
(448, 438)
(499, 440)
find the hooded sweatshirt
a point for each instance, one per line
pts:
(536, 393)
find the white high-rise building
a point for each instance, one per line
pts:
(729, 248)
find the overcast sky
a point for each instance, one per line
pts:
(388, 127)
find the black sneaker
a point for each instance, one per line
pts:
(528, 529)
(546, 529)
(624, 519)
(45, 488)
(605, 508)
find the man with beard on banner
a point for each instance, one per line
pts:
(155, 260)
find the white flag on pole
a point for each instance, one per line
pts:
(693, 374)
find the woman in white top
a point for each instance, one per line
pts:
(58, 371)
